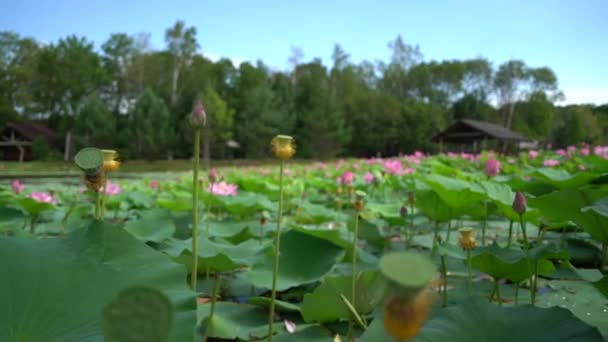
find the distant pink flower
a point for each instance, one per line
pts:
(571, 149)
(393, 167)
(549, 146)
(368, 178)
(533, 154)
(519, 203)
(347, 178)
(112, 188)
(17, 186)
(561, 152)
(155, 184)
(409, 170)
(511, 161)
(213, 175)
(585, 151)
(492, 168)
(551, 162)
(419, 154)
(222, 189)
(43, 197)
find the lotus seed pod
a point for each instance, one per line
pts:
(467, 238)
(283, 147)
(411, 198)
(110, 163)
(89, 160)
(519, 203)
(404, 316)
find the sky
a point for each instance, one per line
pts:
(571, 37)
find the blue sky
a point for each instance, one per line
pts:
(571, 37)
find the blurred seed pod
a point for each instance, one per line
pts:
(283, 146)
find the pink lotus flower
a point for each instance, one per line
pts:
(571, 149)
(409, 170)
(561, 152)
(533, 154)
(549, 146)
(492, 167)
(222, 189)
(511, 161)
(155, 184)
(393, 167)
(347, 178)
(213, 176)
(112, 188)
(551, 162)
(368, 178)
(585, 151)
(43, 197)
(17, 186)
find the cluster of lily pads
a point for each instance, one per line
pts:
(451, 247)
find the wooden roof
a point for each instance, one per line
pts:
(466, 131)
(28, 132)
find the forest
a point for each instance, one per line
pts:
(138, 100)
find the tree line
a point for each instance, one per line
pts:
(138, 100)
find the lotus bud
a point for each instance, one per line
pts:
(403, 211)
(467, 238)
(213, 176)
(519, 203)
(199, 117)
(283, 147)
(263, 218)
(492, 168)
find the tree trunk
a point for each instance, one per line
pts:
(174, 78)
(68, 143)
(510, 114)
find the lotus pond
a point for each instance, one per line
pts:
(451, 247)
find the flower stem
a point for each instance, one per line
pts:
(216, 287)
(33, 223)
(97, 205)
(497, 287)
(197, 152)
(102, 209)
(485, 223)
(353, 296)
(527, 250)
(435, 239)
(469, 272)
(277, 249)
(411, 235)
(444, 275)
(510, 233)
(516, 292)
(534, 283)
(603, 256)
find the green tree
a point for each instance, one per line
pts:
(150, 130)
(95, 125)
(534, 117)
(119, 53)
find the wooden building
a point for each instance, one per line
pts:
(16, 140)
(473, 135)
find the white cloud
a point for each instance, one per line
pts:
(579, 95)
(214, 57)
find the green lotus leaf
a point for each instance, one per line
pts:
(58, 288)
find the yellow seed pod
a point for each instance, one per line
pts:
(404, 316)
(109, 160)
(467, 238)
(283, 147)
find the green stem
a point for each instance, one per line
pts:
(534, 283)
(603, 256)
(510, 233)
(485, 223)
(516, 292)
(527, 250)
(411, 235)
(195, 186)
(97, 205)
(498, 297)
(277, 249)
(102, 209)
(207, 218)
(435, 238)
(444, 275)
(469, 272)
(33, 223)
(216, 287)
(353, 296)
(447, 237)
